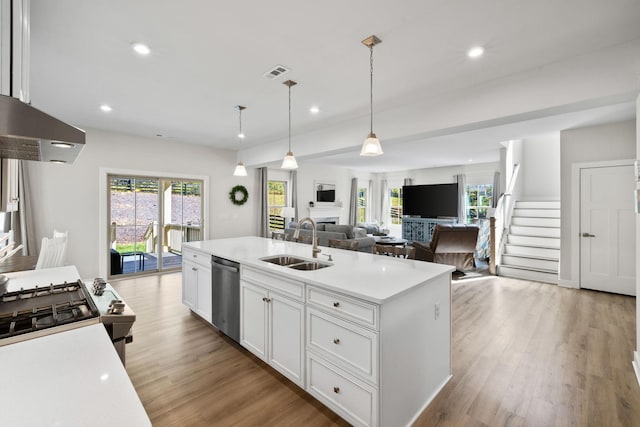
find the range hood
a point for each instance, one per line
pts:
(29, 134)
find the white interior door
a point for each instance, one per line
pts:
(607, 229)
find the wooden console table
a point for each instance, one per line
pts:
(421, 229)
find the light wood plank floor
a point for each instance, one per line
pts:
(524, 354)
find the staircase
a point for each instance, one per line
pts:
(532, 251)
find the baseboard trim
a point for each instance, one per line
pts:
(636, 365)
(568, 284)
(429, 400)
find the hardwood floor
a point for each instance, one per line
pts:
(524, 354)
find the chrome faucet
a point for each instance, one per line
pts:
(316, 250)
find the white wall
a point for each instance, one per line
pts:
(310, 172)
(67, 197)
(540, 170)
(614, 141)
(476, 173)
(637, 156)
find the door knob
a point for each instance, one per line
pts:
(588, 235)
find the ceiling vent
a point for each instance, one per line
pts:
(276, 71)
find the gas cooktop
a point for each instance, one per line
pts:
(41, 308)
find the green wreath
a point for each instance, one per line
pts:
(233, 195)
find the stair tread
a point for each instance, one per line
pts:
(532, 246)
(519, 267)
(535, 226)
(528, 235)
(532, 257)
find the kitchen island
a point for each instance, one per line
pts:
(369, 335)
(70, 377)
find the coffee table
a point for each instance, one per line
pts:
(390, 240)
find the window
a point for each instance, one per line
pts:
(277, 198)
(395, 205)
(479, 199)
(362, 204)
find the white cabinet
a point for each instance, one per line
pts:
(342, 354)
(272, 324)
(196, 282)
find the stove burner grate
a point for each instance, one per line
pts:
(30, 310)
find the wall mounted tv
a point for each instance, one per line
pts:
(430, 201)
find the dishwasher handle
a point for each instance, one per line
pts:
(229, 268)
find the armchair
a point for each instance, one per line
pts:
(452, 244)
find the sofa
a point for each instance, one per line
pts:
(333, 231)
(373, 228)
(452, 244)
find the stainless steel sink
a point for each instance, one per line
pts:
(295, 262)
(283, 260)
(309, 265)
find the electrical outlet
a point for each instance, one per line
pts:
(436, 310)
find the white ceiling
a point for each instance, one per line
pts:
(207, 57)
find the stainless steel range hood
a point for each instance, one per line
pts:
(29, 134)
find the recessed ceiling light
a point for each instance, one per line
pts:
(241, 135)
(60, 162)
(62, 144)
(314, 109)
(141, 48)
(475, 52)
(106, 108)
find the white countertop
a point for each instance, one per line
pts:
(375, 278)
(71, 378)
(43, 277)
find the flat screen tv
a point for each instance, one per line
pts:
(430, 201)
(326, 195)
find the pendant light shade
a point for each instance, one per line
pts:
(371, 146)
(240, 170)
(289, 161)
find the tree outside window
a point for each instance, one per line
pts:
(479, 199)
(395, 204)
(277, 199)
(362, 204)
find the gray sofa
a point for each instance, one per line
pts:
(333, 231)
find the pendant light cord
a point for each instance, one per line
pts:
(371, 85)
(240, 120)
(289, 118)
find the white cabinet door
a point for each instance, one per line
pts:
(189, 283)
(253, 326)
(285, 335)
(203, 298)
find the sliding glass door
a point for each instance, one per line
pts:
(150, 218)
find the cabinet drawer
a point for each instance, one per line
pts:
(350, 308)
(354, 347)
(198, 257)
(283, 285)
(346, 395)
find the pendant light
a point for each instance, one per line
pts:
(289, 161)
(240, 170)
(371, 145)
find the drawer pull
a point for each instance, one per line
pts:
(336, 304)
(194, 268)
(195, 256)
(265, 299)
(336, 390)
(336, 340)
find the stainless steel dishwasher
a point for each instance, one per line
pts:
(225, 295)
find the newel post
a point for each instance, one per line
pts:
(492, 245)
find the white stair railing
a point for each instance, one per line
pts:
(501, 220)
